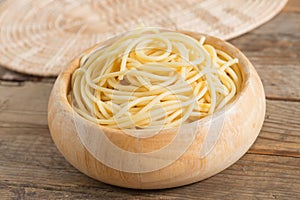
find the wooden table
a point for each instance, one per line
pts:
(32, 168)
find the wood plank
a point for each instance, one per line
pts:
(274, 49)
(32, 168)
(30, 164)
(24, 104)
(43, 171)
(280, 134)
(253, 176)
(292, 6)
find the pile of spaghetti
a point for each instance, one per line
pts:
(151, 78)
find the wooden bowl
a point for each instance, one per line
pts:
(165, 158)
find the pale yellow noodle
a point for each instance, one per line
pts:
(150, 78)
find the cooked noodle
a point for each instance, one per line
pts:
(150, 78)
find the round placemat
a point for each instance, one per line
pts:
(41, 37)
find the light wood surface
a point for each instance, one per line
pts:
(31, 167)
(45, 35)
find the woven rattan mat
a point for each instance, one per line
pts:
(39, 37)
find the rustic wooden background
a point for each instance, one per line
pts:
(32, 168)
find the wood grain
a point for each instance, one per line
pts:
(252, 177)
(31, 166)
(183, 156)
(274, 49)
(292, 6)
(280, 132)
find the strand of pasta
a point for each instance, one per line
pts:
(150, 78)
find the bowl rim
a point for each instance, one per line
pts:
(245, 66)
